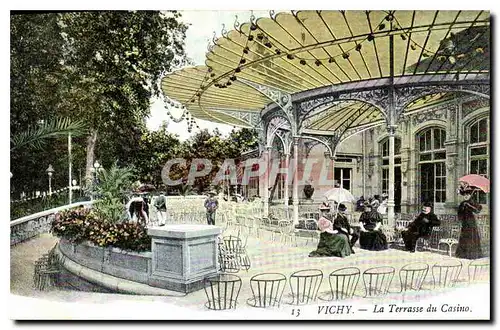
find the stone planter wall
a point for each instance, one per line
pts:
(128, 265)
(181, 257)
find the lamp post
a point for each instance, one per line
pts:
(96, 170)
(70, 187)
(96, 167)
(50, 171)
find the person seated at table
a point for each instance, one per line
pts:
(332, 243)
(420, 227)
(341, 224)
(370, 223)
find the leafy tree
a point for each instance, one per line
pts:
(153, 151)
(99, 67)
(114, 62)
(239, 141)
(35, 69)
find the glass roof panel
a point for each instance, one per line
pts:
(300, 51)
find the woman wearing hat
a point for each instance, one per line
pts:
(332, 243)
(469, 243)
(420, 227)
(341, 224)
(371, 237)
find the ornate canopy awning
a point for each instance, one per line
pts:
(310, 50)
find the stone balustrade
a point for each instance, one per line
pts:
(32, 225)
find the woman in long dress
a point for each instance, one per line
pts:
(469, 243)
(371, 237)
(331, 242)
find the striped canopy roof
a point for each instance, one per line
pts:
(306, 50)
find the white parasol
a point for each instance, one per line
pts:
(340, 195)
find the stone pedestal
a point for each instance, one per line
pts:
(182, 256)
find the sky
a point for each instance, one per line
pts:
(202, 24)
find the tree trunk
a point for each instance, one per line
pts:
(91, 141)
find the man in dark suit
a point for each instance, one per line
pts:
(420, 227)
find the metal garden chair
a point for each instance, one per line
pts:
(479, 270)
(445, 274)
(222, 291)
(267, 290)
(305, 285)
(412, 277)
(377, 280)
(343, 283)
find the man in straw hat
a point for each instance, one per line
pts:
(211, 205)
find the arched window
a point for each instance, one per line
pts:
(478, 152)
(432, 167)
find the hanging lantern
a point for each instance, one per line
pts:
(242, 61)
(370, 37)
(317, 62)
(237, 70)
(278, 51)
(345, 55)
(303, 62)
(250, 37)
(358, 47)
(245, 50)
(290, 56)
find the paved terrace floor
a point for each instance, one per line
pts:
(266, 256)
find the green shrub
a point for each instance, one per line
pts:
(110, 193)
(81, 225)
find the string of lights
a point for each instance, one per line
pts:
(381, 26)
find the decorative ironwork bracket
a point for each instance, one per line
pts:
(331, 142)
(251, 119)
(376, 97)
(282, 99)
(405, 95)
(277, 126)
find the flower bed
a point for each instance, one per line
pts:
(82, 225)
